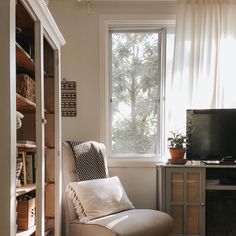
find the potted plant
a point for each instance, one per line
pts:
(177, 145)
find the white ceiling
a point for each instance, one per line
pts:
(127, 0)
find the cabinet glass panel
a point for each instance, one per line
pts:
(49, 104)
(177, 187)
(177, 212)
(193, 187)
(26, 129)
(193, 223)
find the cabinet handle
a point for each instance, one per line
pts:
(202, 204)
(44, 121)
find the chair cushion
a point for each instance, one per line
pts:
(137, 222)
(99, 197)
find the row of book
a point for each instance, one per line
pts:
(25, 168)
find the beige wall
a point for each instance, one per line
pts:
(80, 62)
(139, 184)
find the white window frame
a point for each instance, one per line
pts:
(108, 22)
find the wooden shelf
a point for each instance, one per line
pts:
(220, 187)
(25, 147)
(24, 104)
(25, 189)
(26, 232)
(24, 60)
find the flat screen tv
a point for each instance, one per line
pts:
(211, 134)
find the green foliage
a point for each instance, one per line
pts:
(134, 92)
(178, 140)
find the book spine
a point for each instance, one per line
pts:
(29, 168)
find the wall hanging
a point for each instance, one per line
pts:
(68, 98)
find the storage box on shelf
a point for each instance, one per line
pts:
(25, 210)
(26, 213)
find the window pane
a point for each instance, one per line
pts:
(135, 92)
(169, 54)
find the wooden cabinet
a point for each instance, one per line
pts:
(183, 197)
(199, 197)
(30, 44)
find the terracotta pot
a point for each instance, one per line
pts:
(177, 153)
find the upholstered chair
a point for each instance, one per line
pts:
(132, 222)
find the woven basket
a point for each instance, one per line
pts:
(25, 86)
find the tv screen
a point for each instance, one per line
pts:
(211, 134)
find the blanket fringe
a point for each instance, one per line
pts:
(77, 204)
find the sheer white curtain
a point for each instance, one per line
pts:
(204, 68)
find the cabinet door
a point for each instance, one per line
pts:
(185, 197)
(8, 118)
(52, 134)
(39, 57)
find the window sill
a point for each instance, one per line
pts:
(134, 163)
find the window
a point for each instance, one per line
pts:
(137, 60)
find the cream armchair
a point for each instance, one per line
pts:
(134, 222)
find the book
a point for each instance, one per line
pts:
(21, 168)
(34, 167)
(19, 165)
(30, 167)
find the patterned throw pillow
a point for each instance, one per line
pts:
(99, 197)
(89, 160)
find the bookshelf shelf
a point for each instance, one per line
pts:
(220, 187)
(24, 105)
(24, 60)
(28, 232)
(25, 189)
(25, 147)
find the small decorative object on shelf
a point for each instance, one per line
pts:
(46, 2)
(18, 30)
(22, 38)
(19, 116)
(48, 232)
(177, 146)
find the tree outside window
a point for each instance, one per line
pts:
(135, 92)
